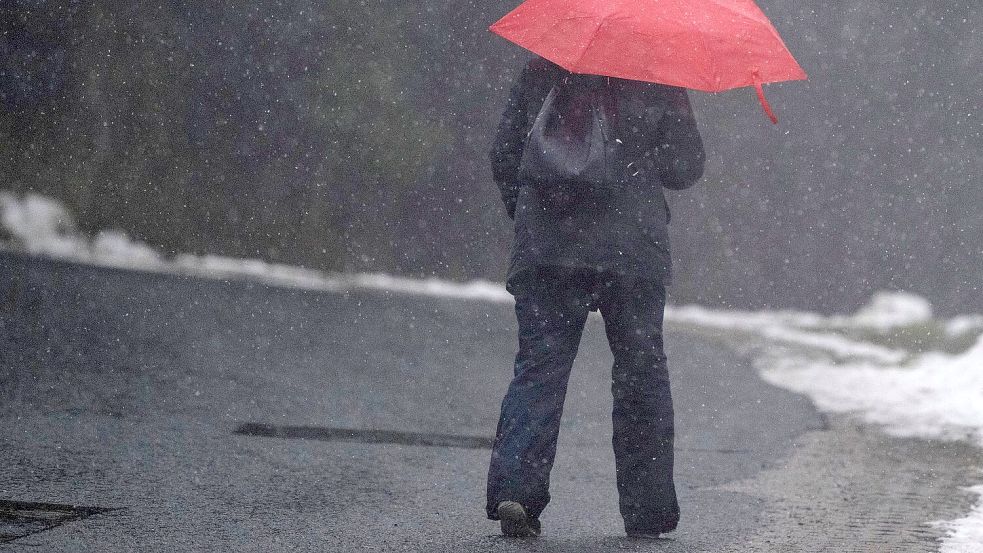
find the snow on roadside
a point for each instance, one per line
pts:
(832, 359)
(790, 327)
(931, 395)
(965, 535)
(42, 226)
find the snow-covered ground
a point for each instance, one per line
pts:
(891, 363)
(42, 226)
(869, 364)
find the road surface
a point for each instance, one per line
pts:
(200, 415)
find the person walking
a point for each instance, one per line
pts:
(578, 248)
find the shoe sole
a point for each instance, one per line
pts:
(643, 536)
(515, 522)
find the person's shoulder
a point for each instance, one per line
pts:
(539, 73)
(540, 69)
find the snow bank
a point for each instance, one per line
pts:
(927, 395)
(790, 327)
(932, 396)
(889, 310)
(211, 266)
(964, 324)
(40, 225)
(43, 226)
(885, 312)
(965, 535)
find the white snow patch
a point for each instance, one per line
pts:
(476, 289)
(965, 535)
(115, 247)
(889, 310)
(790, 327)
(929, 395)
(934, 395)
(964, 324)
(212, 266)
(42, 226)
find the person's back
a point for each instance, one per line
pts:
(575, 251)
(624, 231)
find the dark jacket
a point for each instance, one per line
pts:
(623, 230)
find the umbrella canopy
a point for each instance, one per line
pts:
(708, 45)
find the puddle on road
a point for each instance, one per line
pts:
(21, 518)
(330, 434)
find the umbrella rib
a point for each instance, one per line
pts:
(590, 42)
(556, 23)
(558, 20)
(759, 18)
(706, 50)
(710, 61)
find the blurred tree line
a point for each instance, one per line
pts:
(352, 136)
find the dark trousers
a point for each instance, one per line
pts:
(551, 306)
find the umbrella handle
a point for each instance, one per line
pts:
(756, 78)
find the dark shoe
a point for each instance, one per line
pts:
(644, 536)
(515, 522)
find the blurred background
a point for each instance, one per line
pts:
(352, 136)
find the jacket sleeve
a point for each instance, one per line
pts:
(506, 151)
(679, 144)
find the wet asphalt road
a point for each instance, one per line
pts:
(123, 390)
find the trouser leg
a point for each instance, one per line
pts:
(642, 414)
(551, 314)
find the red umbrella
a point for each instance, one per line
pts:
(709, 45)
